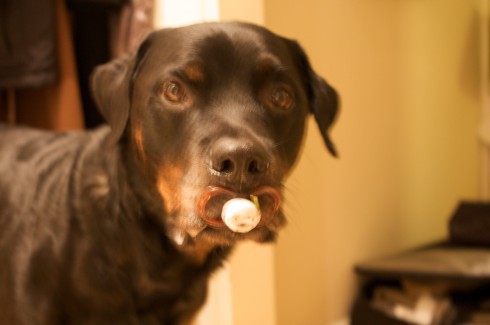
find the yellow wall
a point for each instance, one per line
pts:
(242, 10)
(440, 76)
(407, 72)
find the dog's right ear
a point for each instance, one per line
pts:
(323, 99)
(110, 85)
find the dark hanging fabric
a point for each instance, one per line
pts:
(103, 30)
(92, 47)
(131, 26)
(28, 56)
(92, 4)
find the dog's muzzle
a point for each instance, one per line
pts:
(212, 208)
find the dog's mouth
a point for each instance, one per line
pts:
(222, 208)
(223, 217)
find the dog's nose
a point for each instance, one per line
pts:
(238, 160)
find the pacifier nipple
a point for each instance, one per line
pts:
(241, 215)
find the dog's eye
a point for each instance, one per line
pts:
(173, 91)
(281, 97)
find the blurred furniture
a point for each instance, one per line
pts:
(444, 283)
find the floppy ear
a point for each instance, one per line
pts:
(323, 99)
(110, 85)
(324, 103)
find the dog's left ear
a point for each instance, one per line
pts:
(109, 85)
(323, 99)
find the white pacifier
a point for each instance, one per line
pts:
(241, 215)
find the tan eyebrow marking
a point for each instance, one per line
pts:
(137, 135)
(194, 72)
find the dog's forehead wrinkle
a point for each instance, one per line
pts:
(269, 62)
(231, 49)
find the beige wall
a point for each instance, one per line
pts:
(408, 77)
(440, 76)
(242, 10)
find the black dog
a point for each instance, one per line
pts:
(121, 225)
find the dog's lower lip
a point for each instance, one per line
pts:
(267, 194)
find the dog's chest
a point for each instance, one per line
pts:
(135, 279)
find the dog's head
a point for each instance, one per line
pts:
(214, 112)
